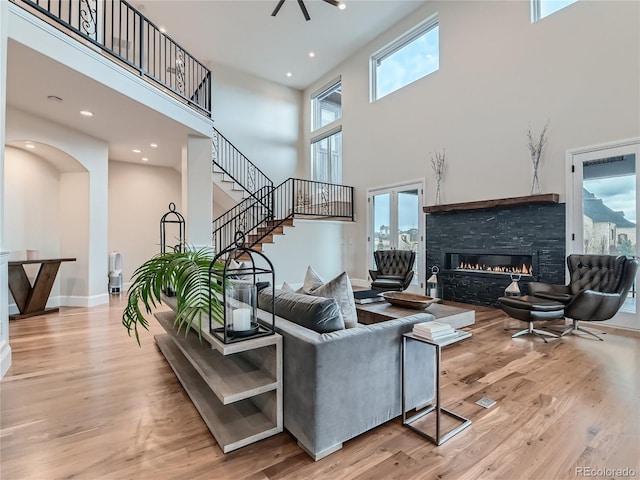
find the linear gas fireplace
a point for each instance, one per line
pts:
(479, 245)
(495, 262)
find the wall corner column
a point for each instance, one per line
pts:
(5, 348)
(197, 190)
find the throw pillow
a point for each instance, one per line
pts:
(311, 281)
(286, 287)
(319, 314)
(340, 289)
(233, 265)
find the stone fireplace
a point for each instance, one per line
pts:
(478, 246)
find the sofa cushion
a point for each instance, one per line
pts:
(339, 288)
(311, 281)
(319, 314)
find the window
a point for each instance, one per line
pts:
(543, 8)
(326, 105)
(414, 55)
(326, 145)
(326, 157)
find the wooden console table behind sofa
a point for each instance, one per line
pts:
(32, 300)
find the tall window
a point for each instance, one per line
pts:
(543, 8)
(326, 157)
(414, 55)
(326, 144)
(326, 105)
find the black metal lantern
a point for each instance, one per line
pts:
(241, 280)
(171, 217)
(433, 288)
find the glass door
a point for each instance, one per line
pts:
(604, 211)
(396, 222)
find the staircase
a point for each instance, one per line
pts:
(265, 210)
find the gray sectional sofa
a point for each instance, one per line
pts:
(341, 383)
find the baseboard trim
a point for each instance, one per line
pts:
(69, 301)
(5, 359)
(78, 301)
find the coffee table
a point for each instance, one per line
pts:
(370, 313)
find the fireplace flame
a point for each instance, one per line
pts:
(523, 270)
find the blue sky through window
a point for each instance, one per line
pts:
(547, 7)
(411, 62)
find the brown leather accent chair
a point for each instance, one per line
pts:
(395, 269)
(598, 286)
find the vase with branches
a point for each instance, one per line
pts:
(438, 163)
(535, 149)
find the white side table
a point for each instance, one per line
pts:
(440, 437)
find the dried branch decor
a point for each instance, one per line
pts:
(535, 148)
(437, 163)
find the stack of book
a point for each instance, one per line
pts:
(367, 296)
(434, 330)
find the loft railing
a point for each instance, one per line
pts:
(232, 162)
(124, 33)
(270, 207)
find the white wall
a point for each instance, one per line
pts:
(261, 118)
(48, 210)
(90, 278)
(31, 210)
(498, 74)
(75, 237)
(31, 205)
(135, 232)
(319, 244)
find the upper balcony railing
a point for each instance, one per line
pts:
(123, 32)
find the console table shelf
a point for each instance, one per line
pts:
(238, 393)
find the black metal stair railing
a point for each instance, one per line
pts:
(124, 33)
(258, 216)
(237, 166)
(246, 217)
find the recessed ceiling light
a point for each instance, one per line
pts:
(145, 159)
(289, 74)
(342, 6)
(30, 145)
(312, 54)
(153, 145)
(136, 150)
(54, 98)
(86, 113)
(163, 30)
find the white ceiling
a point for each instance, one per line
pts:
(121, 122)
(244, 35)
(238, 33)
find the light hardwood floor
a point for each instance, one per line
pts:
(82, 400)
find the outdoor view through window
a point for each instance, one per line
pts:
(609, 208)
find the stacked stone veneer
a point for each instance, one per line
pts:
(538, 228)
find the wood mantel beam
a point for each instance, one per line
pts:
(499, 202)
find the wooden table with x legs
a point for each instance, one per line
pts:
(32, 300)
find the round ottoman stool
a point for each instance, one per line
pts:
(531, 309)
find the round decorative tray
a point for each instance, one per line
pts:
(409, 300)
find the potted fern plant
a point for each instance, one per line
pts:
(184, 271)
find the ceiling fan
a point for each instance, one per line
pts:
(305, 12)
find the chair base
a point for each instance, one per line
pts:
(535, 331)
(575, 327)
(529, 309)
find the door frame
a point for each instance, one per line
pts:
(575, 232)
(421, 253)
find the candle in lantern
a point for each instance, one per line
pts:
(241, 319)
